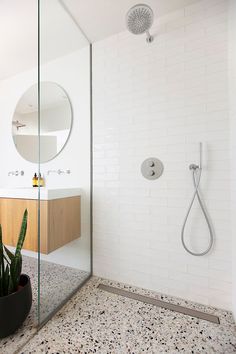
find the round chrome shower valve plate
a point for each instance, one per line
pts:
(152, 168)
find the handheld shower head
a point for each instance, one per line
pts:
(139, 20)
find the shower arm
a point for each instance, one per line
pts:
(149, 38)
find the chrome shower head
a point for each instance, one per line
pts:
(139, 19)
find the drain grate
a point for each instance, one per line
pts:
(160, 303)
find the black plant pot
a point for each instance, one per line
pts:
(14, 308)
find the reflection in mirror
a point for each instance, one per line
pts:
(55, 122)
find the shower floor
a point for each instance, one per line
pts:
(95, 321)
(57, 283)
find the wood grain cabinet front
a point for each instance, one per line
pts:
(59, 222)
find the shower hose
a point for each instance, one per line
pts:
(196, 174)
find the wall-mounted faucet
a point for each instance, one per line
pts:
(59, 171)
(63, 171)
(16, 173)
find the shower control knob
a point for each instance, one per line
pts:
(151, 173)
(152, 168)
(151, 163)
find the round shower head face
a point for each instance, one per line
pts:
(139, 19)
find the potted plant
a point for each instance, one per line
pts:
(15, 288)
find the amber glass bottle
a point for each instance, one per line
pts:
(41, 180)
(35, 180)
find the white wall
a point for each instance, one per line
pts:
(28, 145)
(232, 92)
(51, 119)
(55, 124)
(72, 73)
(161, 100)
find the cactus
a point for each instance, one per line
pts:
(11, 264)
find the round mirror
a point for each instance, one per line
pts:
(55, 122)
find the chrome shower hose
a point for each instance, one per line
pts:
(196, 183)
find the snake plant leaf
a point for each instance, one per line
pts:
(10, 285)
(6, 259)
(23, 230)
(11, 264)
(1, 263)
(16, 264)
(6, 280)
(15, 270)
(9, 253)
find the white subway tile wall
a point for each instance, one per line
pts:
(161, 100)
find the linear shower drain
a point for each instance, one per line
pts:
(160, 303)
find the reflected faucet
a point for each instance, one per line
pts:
(16, 173)
(63, 171)
(59, 171)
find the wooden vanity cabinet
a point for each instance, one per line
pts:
(59, 222)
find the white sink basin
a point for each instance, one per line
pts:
(45, 193)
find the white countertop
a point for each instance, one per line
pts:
(45, 193)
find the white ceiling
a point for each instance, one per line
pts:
(59, 34)
(52, 95)
(18, 36)
(102, 18)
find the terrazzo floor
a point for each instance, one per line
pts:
(52, 293)
(95, 321)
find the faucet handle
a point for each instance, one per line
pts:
(51, 171)
(16, 173)
(60, 171)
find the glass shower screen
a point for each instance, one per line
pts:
(64, 174)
